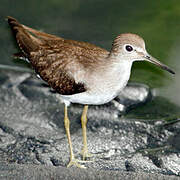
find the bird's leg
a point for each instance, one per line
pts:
(84, 151)
(73, 161)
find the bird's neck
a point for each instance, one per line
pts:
(119, 67)
(115, 74)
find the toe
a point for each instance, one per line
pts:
(74, 162)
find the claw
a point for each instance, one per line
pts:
(75, 163)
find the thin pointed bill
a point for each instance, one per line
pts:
(158, 63)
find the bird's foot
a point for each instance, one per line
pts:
(85, 154)
(75, 162)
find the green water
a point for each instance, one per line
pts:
(99, 22)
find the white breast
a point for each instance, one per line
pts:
(103, 88)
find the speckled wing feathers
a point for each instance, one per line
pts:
(52, 68)
(55, 59)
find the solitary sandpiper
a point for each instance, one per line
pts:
(81, 72)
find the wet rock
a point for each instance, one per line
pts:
(32, 131)
(3, 78)
(35, 172)
(133, 95)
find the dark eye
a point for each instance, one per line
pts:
(129, 48)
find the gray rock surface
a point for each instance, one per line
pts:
(133, 146)
(39, 172)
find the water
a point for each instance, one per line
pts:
(99, 22)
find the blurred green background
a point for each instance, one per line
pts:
(99, 22)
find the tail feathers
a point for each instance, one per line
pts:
(42, 35)
(20, 55)
(26, 42)
(14, 24)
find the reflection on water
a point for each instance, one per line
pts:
(99, 22)
(172, 87)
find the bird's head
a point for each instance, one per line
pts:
(131, 47)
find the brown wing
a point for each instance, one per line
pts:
(55, 59)
(52, 40)
(52, 67)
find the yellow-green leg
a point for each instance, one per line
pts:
(84, 151)
(73, 161)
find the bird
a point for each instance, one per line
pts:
(81, 72)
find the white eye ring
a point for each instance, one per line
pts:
(128, 48)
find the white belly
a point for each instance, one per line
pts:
(97, 96)
(103, 87)
(87, 98)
